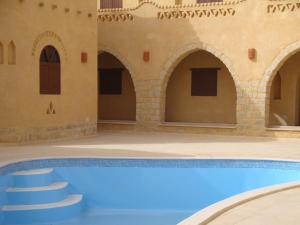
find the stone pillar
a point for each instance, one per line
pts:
(148, 104)
(250, 108)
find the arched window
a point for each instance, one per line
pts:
(11, 53)
(1, 53)
(49, 71)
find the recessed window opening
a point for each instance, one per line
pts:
(204, 82)
(50, 74)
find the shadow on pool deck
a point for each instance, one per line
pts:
(158, 145)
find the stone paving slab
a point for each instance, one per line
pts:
(277, 209)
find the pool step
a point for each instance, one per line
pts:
(33, 172)
(33, 178)
(37, 195)
(67, 208)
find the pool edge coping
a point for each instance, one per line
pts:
(210, 213)
(24, 159)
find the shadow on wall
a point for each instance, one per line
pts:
(201, 90)
(285, 94)
(116, 93)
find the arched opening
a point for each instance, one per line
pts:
(117, 98)
(1, 53)
(201, 90)
(285, 94)
(50, 78)
(12, 53)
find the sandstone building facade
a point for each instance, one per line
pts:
(212, 67)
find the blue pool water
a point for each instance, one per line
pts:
(149, 192)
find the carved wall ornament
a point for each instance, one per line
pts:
(48, 34)
(116, 17)
(283, 7)
(173, 6)
(51, 109)
(177, 14)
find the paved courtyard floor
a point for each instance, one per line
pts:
(280, 208)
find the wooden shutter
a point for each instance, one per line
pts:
(107, 4)
(110, 81)
(104, 4)
(204, 82)
(50, 80)
(117, 3)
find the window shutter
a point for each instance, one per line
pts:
(50, 79)
(110, 81)
(204, 82)
(107, 4)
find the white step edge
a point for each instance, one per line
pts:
(33, 172)
(70, 200)
(51, 187)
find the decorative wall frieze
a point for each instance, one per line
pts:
(173, 6)
(283, 7)
(48, 34)
(177, 14)
(116, 17)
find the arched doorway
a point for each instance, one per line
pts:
(116, 92)
(285, 94)
(201, 90)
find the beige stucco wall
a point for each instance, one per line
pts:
(31, 25)
(285, 111)
(227, 30)
(182, 107)
(117, 107)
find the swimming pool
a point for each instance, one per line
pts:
(127, 191)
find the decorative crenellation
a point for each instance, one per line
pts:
(115, 17)
(283, 7)
(180, 6)
(196, 13)
(174, 11)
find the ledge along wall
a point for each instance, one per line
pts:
(71, 27)
(228, 30)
